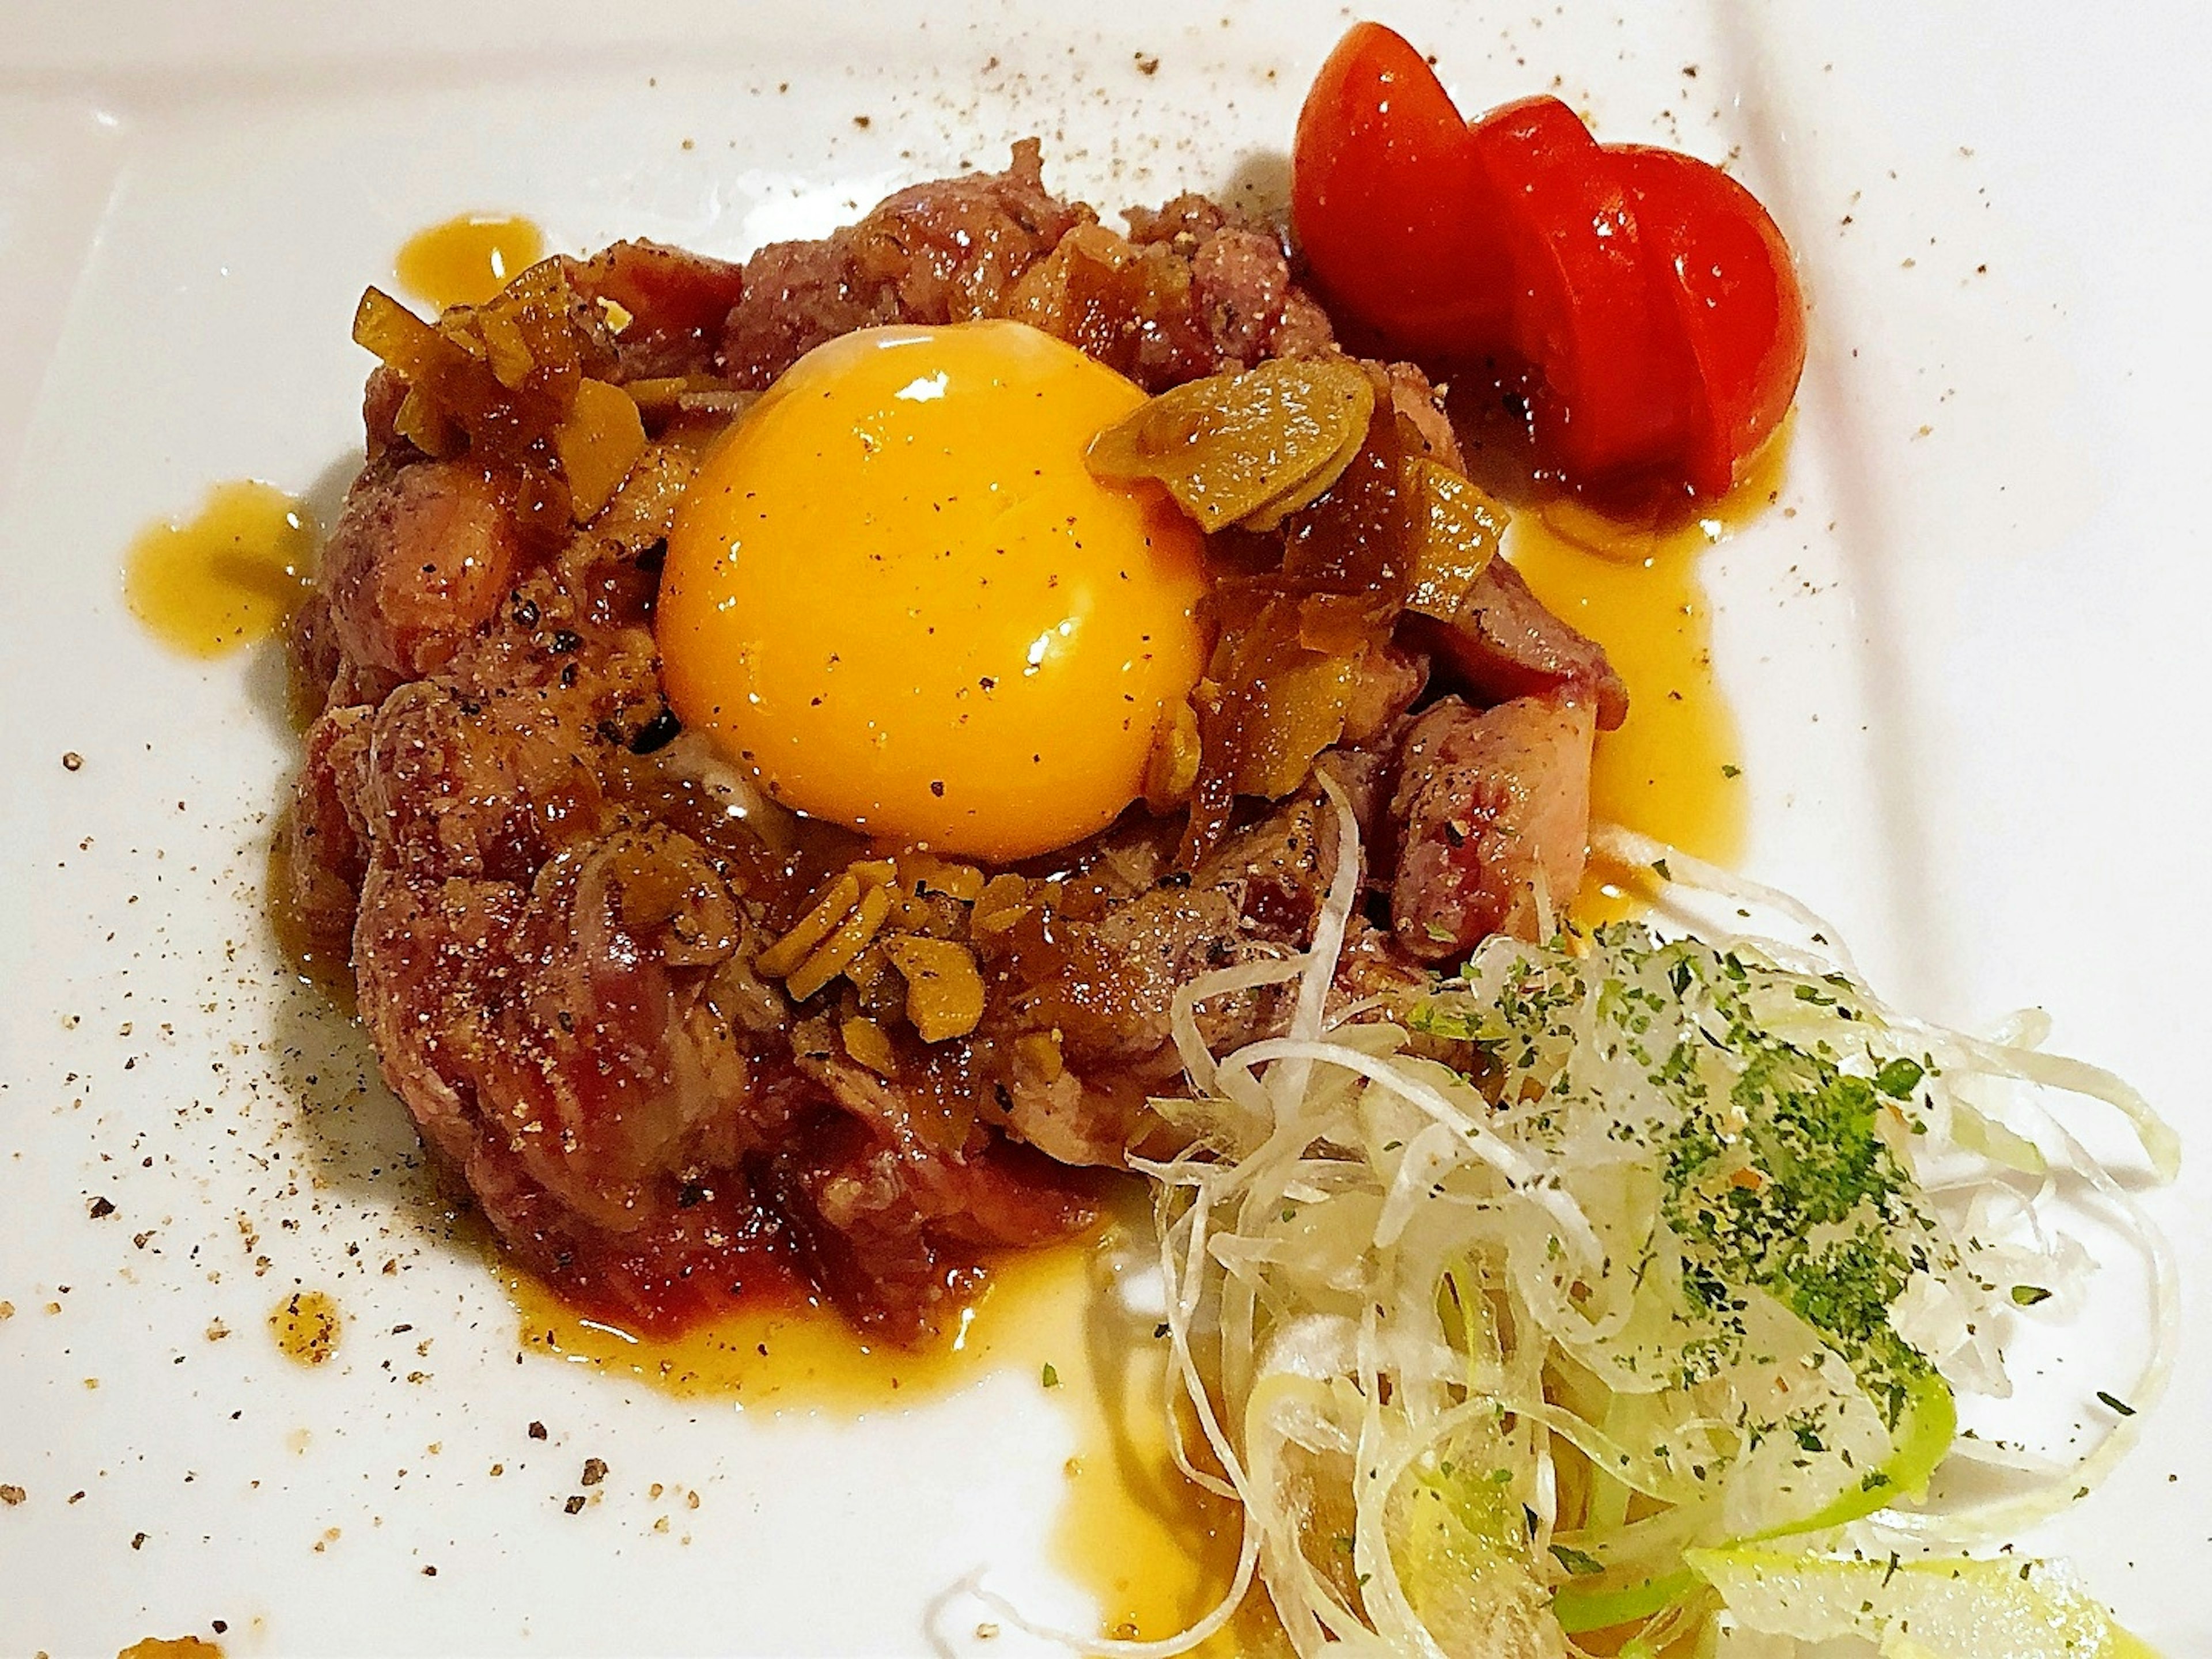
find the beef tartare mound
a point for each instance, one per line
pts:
(678, 1041)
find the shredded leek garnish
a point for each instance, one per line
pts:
(1560, 1298)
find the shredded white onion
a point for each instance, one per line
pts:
(1483, 1348)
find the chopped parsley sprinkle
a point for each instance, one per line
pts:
(1778, 1172)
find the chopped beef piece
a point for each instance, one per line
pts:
(1389, 681)
(677, 303)
(1243, 280)
(889, 1207)
(1184, 223)
(1415, 400)
(1504, 644)
(1494, 806)
(1104, 986)
(946, 252)
(1375, 967)
(419, 558)
(1191, 292)
(564, 1024)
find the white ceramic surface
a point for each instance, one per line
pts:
(1965, 658)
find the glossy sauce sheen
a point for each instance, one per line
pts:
(320, 963)
(226, 577)
(467, 259)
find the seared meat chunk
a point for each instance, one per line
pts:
(1191, 291)
(1504, 644)
(947, 252)
(1104, 987)
(676, 302)
(889, 1205)
(1493, 805)
(421, 557)
(564, 1025)
(1420, 406)
(325, 844)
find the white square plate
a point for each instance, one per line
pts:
(1964, 654)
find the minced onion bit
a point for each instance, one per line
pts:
(1625, 1283)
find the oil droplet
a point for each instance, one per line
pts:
(305, 1325)
(172, 1647)
(226, 577)
(1673, 770)
(467, 260)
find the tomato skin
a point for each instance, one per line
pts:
(1721, 259)
(1517, 144)
(1386, 205)
(1611, 382)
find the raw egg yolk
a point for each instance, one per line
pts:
(896, 595)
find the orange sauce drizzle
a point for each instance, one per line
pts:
(228, 575)
(1674, 769)
(803, 1357)
(172, 1647)
(306, 1325)
(467, 259)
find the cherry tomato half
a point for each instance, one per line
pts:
(1721, 261)
(1611, 384)
(1388, 208)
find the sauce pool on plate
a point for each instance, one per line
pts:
(1674, 770)
(228, 575)
(468, 259)
(1156, 1551)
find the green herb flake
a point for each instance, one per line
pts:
(2027, 1296)
(1897, 1079)
(1051, 1375)
(1575, 1562)
(2115, 1404)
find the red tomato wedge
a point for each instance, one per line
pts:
(1723, 264)
(1390, 213)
